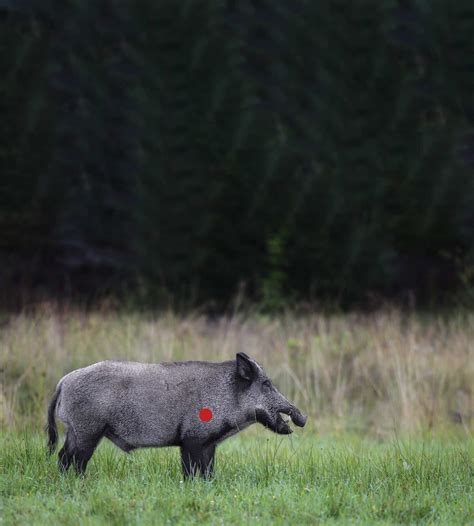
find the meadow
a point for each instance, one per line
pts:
(389, 439)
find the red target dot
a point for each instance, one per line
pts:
(205, 414)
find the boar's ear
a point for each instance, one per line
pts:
(245, 367)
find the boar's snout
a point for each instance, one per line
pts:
(298, 418)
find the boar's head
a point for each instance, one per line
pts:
(260, 398)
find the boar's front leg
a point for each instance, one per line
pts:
(197, 459)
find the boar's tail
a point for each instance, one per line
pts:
(51, 425)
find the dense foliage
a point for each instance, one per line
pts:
(287, 148)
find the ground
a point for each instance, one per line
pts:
(260, 479)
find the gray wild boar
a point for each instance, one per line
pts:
(193, 405)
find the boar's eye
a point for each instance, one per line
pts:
(266, 385)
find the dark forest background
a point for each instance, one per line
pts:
(283, 150)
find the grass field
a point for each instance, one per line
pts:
(260, 479)
(389, 438)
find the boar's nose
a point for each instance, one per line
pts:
(298, 418)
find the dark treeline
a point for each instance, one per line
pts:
(292, 150)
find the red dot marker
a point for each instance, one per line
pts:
(205, 414)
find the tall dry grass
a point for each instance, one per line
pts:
(370, 373)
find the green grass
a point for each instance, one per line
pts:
(260, 479)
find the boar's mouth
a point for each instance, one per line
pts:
(282, 426)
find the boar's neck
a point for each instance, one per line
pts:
(228, 401)
(231, 396)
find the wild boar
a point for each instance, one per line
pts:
(193, 405)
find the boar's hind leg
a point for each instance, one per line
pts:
(77, 450)
(66, 452)
(196, 459)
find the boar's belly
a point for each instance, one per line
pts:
(151, 422)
